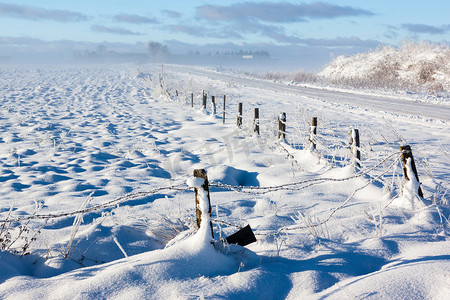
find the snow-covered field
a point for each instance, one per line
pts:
(94, 165)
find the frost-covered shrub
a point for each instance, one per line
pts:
(413, 66)
(426, 72)
(17, 238)
(305, 77)
(300, 76)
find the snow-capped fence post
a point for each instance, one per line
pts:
(213, 104)
(192, 99)
(202, 191)
(282, 126)
(354, 146)
(312, 134)
(256, 121)
(407, 154)
(239, 116)
(224, 109)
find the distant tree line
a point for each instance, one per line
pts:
(240, 53)
(256, 54)
(102, 54)
(159, 52)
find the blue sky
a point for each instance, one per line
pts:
(323, 27)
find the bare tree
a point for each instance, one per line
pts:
(157, 51)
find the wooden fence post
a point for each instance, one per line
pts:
(205, 96)
(224, 109)
(201, 173)
(239, 116)
(192, 99)
(312, 134)
(213, 103)
(256, 121)
(407, 153)
(282, 126)
(354, 145)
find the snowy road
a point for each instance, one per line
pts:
(374, 102)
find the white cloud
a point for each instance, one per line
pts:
(113, 30)
(37, 13)
(279, 12)
(135, 19)
(423, 28)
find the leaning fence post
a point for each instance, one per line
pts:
(192, 99)
(407, 153)
(256, 121)
(201, 173)
(239, 116)
(282, 126)
(224, 109)
(213, 104)
(312, 134)
(354, 145)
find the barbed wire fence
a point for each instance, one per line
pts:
(327, 143)
(24, 221)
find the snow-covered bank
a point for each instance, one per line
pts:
(72, 138)
(413, 66)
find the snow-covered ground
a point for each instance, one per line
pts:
(94, 165)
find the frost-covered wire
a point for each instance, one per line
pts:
(333, 212)
(109, 204)
(299, 185)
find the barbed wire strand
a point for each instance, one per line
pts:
(335, 210)
(295, 227)
(108, 204)
(309, 182)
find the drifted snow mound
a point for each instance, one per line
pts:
(413, 66)
(232, 176)
(138, 277)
